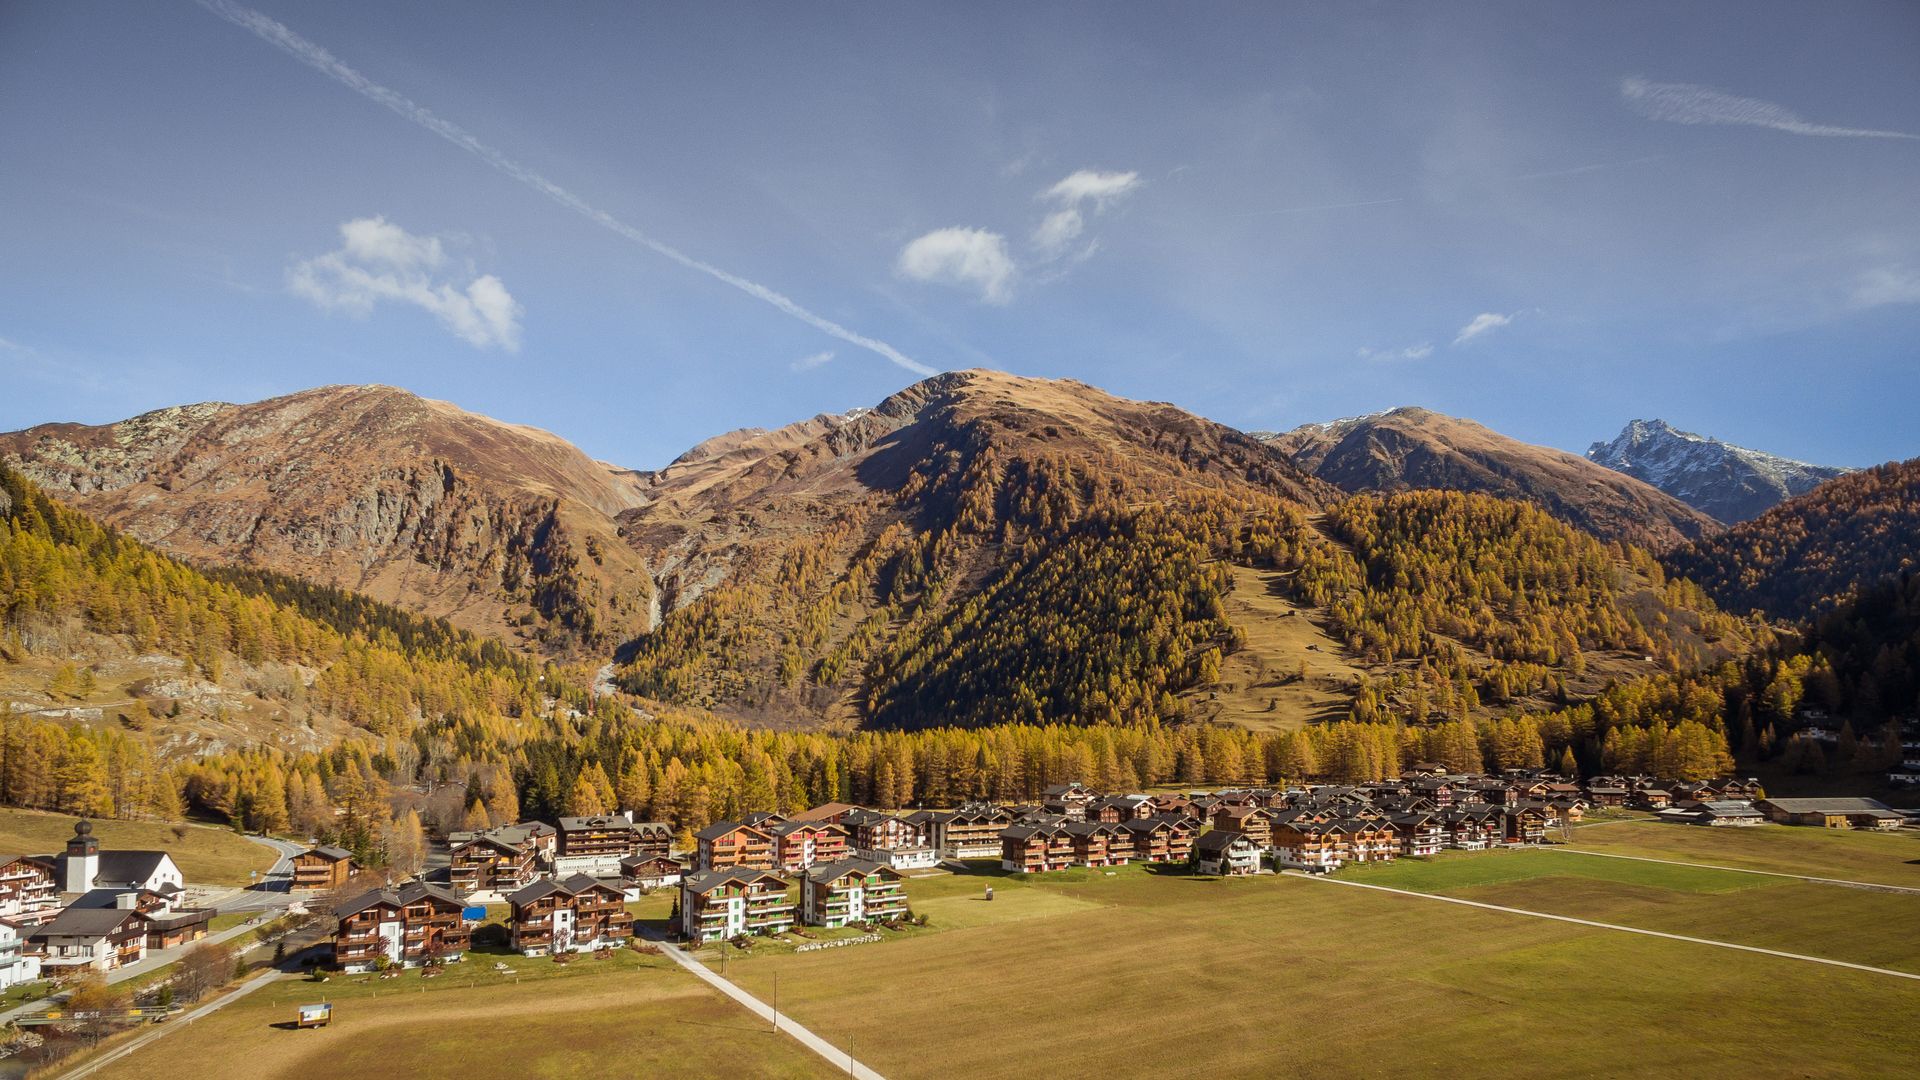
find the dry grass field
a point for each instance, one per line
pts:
(1881, 858)
(1259, 685)
(1148, 972)
(627, 1016)
(207, 856)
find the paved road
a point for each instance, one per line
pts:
(840, 1059)
(1612, 926)
(1874, 885)
(157, 1031)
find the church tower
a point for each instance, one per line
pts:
(82, 864)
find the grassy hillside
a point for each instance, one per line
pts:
(207, 856)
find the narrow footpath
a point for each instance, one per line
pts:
(840, 1059)
(1611, 926)
(156, 1031)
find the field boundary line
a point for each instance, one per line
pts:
(1617, 927)
(838, 1058)
(87, 1068)
(1844, 882)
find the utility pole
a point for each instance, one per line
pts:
(849, 1054)
(776, 1003)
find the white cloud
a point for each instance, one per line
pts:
(1689, 103)
(1102, 188)
(974, 258)
(1483, 323)
(380, 261)
(1058, 230)
(1411, 352)
(1886, 285)
(808, 363)
(1086, 188)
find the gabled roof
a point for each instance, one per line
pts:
(827, 873)
(721, 828)
(824, 811)
(1219, 840)
(87, 922)
(1826, 806)
(635, 861)
(788, 828)
(573, 885)
(410, 892)
(328, 852)
(708, 880)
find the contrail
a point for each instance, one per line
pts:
(318, 58)
(1688, 103)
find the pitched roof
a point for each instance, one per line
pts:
(329, 852)
(599, 821)
(824, 811)
(86, 922)
(834, 871)
(1219, 840)
(1826, 806)
(721, 828)
(409, 892)
(573, 885)
(707, 880)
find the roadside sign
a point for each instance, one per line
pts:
(312, 1016)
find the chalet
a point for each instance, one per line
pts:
(971, 832)
(1419, 833)
(409, 924)
(1525, 824)
(1722, 812)
(800, 844)
(1255, 821)
(729, 843)
(17, 966)
(1228, 854)
(83, 867)
(652, 838)
(850, 891)
(28, 894)
(537, 838)
(1464, 832)
(490, 862)
(99, 938)
(1832, 813)
(1170, 805)
(885, 838)
(1035, 849)
(1371, 839)
(573, 914)
(1650, 799)
(166, 923)
(647, 872)
(1115, 809)
(324, 867)
(598, 843)
(1161, 839)
(1099, 843)
(733, 900)
(1318, 846)
(761, 819)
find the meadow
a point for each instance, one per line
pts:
(1147, 971)
(206, 855)
(628, 1015)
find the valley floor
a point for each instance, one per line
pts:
(1149, 972)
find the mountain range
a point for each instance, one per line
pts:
(1730, 483)
(868, 567)
(1411, 449)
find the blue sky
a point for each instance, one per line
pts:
(669, 221)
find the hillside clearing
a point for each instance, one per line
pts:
(206, 855)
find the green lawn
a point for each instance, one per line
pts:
(1142, 973)
(625, 1016)
(1861, 926)
(1883, 858)
(207, 856)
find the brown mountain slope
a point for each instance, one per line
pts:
(1411, 448)
(1808, 554)
(789, 560)
(500, 528)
